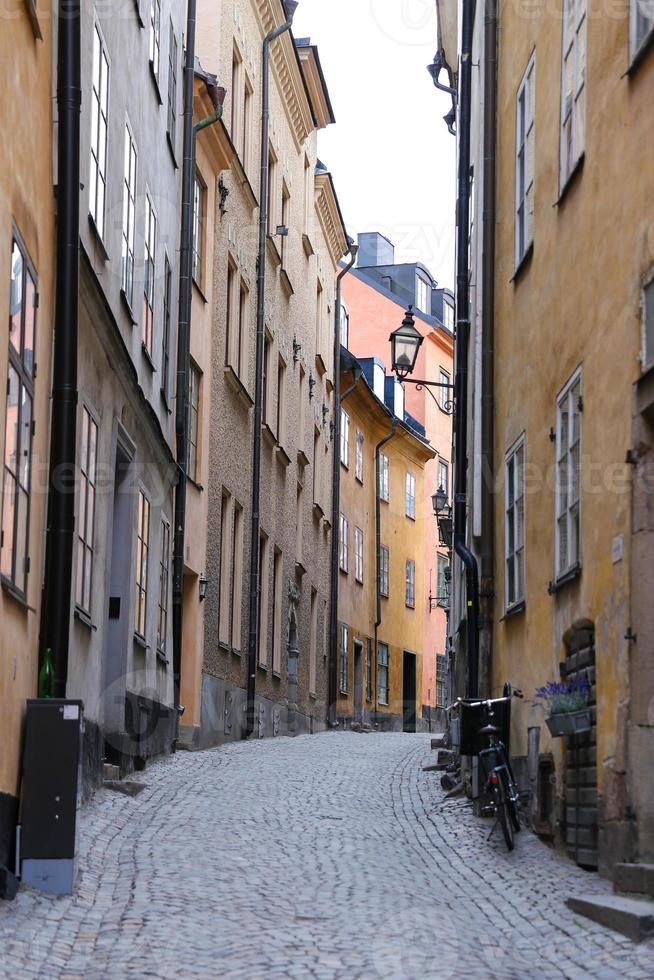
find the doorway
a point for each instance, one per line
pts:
(409, 692)
(358, 682)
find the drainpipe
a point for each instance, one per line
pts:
(378, 617)
(253, 636)
(184, 334)
(336, 495)
(487, 347)
(462, 351)
(55, 625)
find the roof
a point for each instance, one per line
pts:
(432, 321)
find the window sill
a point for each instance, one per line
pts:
(327, 523)
(84, 619)
(384, 500)
(198, 288)
(300, 569)
(263, 668)
(384, 595)
(128, 306)
(172, 150)
(225, 647)
(517, 609)
(277, 676)
(639, 56)
(283, 457)
(321, 367)
(273, 251)
(194, 483)
(98, 238)
(30, 7)
(571, 180)
(318, 512)
(307, 246)
(155, 82)
(237, 387)
(18, 597)
(139, 641)
(411, 517)
(343, 571)
(567, 578)
(409, 606)
(286, 284)
(313, 695)
(164, 398)
(345, 465)
(524, 262)
(359, 479)
(302, 458)
(162, 658)
(148, 358)
(235, 652)
(269, 435)
(359, 581)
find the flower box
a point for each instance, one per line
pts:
(569, 723)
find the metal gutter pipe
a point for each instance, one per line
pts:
(462, 345)
(253, 635)
(332, 686)
(55, 625)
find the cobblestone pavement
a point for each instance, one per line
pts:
(323, 856)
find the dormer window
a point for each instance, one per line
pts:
(423, 295)
(448, 316)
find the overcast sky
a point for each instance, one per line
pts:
(390, 153)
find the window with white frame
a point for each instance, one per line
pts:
(444, 476)
(382, 673)
(648, 324)
(642, 24)
(129, 212)
(358, 465)
(368, 669)
(441, 676)
(278, 588)
(150, 240)
(313, 641)
(142, 553)
(343, 543)
(514, 524)
(237, 576)
(195, 380)
(198, 222)
(171, 124)
(423, 295)
(410, 584)
(164, 578)
(444, 393)
(155, 36)
(410, 496)
(225, 587)
(264, 597)
(86, 518)
(345, 438)
(448, 316)
(384, 567)
(384, 478)
(165, 334)
(358, 554)
(525, 135)
(573, 86)
(344, 326)
(568, 476)
(99, 115)
(343, 659)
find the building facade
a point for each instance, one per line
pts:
(305, 241)
(383, 456)
(26, 302)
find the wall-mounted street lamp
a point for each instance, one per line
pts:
(439, 500)
(297, 347)
(406, 342)
(312, 385)
(202, 587)
(325, 413)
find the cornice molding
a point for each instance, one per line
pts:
(330, 218)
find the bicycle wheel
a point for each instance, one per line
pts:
(514, 814)
(505, 824)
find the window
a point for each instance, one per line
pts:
(286, 206)
(226, 543)
(648, 324)
(86, 518)
(368, 669)
(14, 540)
(358, 464)
(241, 118)
(642, 24)
(308, 196)
(573, 91)
(313, 641)
(129, 210)
(345, 438)
(441, 693)
(342, 660)
(444, 476)
(319, 317)
(525, 135)
(410, 584)
(384, 565)
(568, 476)
(301, 410)
(423, 295)
(281, 401)
(448, 316)
(514, 524)
(171, 124)
(164, 575)
(384, 477)
(195, 379)
(272, 191)
(343, 543)
(444, 395)
(317, 469)
(142, 552)
(264, 586)
(410, 496)
(155, 35)
(237, 74)
(358, 554)
(198, 224)
(278, 581)
(344, 326)
(266, 381)
(237, 577)
(165, 340)
(246, 146)
(382, 673)
(150, 237)
(99, 111)
(441, 580)
(299, 526)
(237, 317)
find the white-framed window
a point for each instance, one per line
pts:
(165, 334)
(224, 591)
(264, 597)
(343, 659)
(358, 463)
(642, 24)
(444, 476)
(199, 191)
(344, 325)
(155, 36)
(281, 401)
(382, 672)
(358, 554)
(648, 324)
(237, 576)
(410, 584)
(514, 524)
(149, 265)
(368, 669)
(384, 478)
(164, 580)
(345, 438)
(568, 476)
(525, 135)
(313, 641)
(410, 496)
(423, 295)
(99, 115)
(129, 220)
(444, 394)
(195, 381)
(384, 570)
(142, 554)
(86, 518)
(442, 565)
(573, 86)
(441, 677)
(343, 543)
(448, 316)
(278, 587)
(171, 123)
(238, 302)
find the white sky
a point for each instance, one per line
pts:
(390, 153)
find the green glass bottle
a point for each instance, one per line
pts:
(47, 676)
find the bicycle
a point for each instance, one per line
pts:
(500, 784)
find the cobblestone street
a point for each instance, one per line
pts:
(327, 856)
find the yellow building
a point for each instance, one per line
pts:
(381, 554)
(26, 314)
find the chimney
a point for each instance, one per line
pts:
(375, 249)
